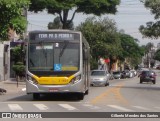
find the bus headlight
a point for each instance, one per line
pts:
(75, 79)
(31, 79)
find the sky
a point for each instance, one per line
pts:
(131, 14)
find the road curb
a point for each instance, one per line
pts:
(12, 82)
(12, 86)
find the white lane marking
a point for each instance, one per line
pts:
(119, 108)
(67, 106)
(14, 107)
(142, 108)
(23, 89)
(88, 105)
(91, 106)
(41, 106)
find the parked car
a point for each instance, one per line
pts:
(131, 74)
(134, 72)
(99, 78)
(117, 74)
(148, 76)
(125, 74)
(139, 71)
(158, 67)
(111, 77)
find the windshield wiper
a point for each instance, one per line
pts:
(31, 62)
(64, 47)
(62, 50)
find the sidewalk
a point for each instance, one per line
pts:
(11, 86)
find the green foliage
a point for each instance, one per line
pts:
(93, 63)
(97, 7)
(148, 47)
(11, 17)
(152, 29)
(19, 24)
(62, 7)
(131, 49)
(19, 68)
(56, 24)
(157, 55)
(16, 54)
(107, 42)
(102, 37)
(154, 6)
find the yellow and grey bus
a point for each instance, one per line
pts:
(57, 62)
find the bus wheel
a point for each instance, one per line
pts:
(36, 96)
(87, 92)
(80, 96)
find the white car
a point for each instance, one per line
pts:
(99, 78)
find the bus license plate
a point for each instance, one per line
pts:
(53, 90)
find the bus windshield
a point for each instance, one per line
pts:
(57, 56)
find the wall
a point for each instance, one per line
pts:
(4, 76)
(1, 62)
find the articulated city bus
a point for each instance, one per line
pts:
(57, 62)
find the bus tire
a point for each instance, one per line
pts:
(80, 96)
(36, 96)
(87, 92)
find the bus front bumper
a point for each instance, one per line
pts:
(33, 88)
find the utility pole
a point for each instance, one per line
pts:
(25, 15)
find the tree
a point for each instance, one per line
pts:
(17, 56)
(132, 52)
(11, 17)
(102, 37)
(157, 55)
(56, 24)
(63, 7)
(19, 69)
(152, 29)
(105, 41)
(149, 46)
(148, 51)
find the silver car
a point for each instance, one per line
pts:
(99, 78)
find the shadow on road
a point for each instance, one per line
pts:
(143, 86)
(46, 97)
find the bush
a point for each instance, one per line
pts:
(19, 69)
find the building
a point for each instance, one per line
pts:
(4, 61)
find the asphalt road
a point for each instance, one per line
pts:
(123, 95)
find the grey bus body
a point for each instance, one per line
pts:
(58, 61)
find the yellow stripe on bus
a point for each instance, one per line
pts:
(64, 68)
(53, 80)
(69, 68)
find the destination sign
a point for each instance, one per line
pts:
(55, 36)
(38, 36)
